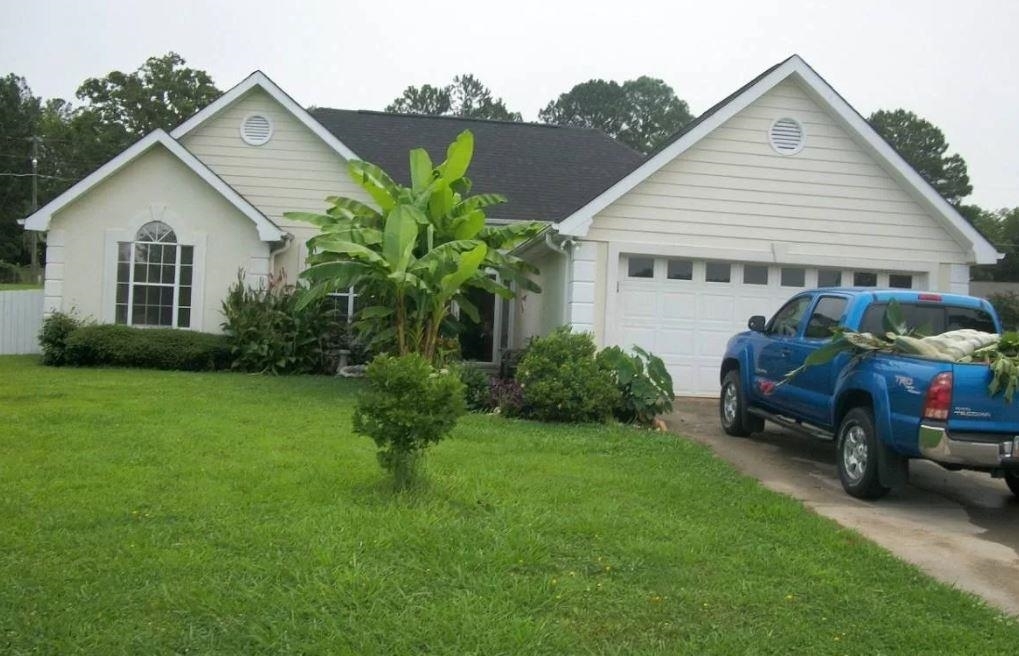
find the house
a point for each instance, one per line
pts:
(780, 186)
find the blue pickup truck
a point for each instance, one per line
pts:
(881, 410)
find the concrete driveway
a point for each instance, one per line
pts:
(960, 527)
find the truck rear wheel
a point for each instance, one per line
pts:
(732, 408)
(1012, 481)
(857, 449)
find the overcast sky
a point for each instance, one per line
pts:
(951, 62)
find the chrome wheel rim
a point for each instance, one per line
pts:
(854, 452)
(729, 404)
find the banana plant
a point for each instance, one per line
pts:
(417, 251)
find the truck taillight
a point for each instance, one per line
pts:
(939, 397)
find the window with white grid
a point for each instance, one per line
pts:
(154, 279)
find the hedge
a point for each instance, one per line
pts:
(151, 348)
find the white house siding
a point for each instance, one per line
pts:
(157, 186)
(731, 199)
(294, 171)
(732, 196)
(539, 314)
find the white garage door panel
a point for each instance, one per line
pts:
(688, 323)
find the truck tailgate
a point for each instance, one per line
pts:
(974, 410)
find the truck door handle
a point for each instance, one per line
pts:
(784, 352)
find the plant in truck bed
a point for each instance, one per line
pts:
(999, 352)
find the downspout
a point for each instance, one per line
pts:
(284, 246)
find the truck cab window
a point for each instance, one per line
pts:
(929, 319)
(787, 320)
(826, 317)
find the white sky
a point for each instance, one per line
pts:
(952, 62)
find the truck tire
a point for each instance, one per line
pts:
(732, 408)
(1012, 481)
(857, 450)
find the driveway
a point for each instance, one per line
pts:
(960, 527)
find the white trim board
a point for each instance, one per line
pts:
(40, 220)
(261, 80)
(578, 223)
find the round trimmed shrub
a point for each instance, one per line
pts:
(561, 380)
(407, 406)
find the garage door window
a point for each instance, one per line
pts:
(680, 270)
(865, 279)
(755, 274)
(641, 267)
(718, 272)
(900, 281)
(794, 277)
(829, 278)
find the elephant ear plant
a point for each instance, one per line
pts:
(412, 257)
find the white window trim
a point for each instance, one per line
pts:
(197, 240)
(351, 296)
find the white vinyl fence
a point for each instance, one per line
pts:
(20, 321)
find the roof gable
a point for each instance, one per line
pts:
(795, 68)
(40, 220)
(260, 79)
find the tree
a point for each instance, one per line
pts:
(19, 117)
(466, 96)
(923, 146)
(642, 113)
(419, 254)
(162, 93)
(1007, 242)
(412, 259)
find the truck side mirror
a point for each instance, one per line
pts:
(756, 323)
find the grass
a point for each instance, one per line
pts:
(7, 287)
(163, 513)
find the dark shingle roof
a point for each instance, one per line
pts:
(545, 171)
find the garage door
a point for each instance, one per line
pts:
(685, 310)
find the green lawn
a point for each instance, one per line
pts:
(164, 513)
(6, 287)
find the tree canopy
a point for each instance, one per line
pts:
(75, 140)
(642, 113)
(19, 114)
(465, 96)
(923, 145)
(161, 93)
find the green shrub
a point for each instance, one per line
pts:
(53, 336)
(267, 333)
(407, 406)
(477, 392)
(148, 348)
(1007, 306)
(644, 384)
(561, 380)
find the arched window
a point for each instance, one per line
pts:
(154, 278)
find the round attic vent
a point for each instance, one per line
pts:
(787, 136)
(256, 129)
